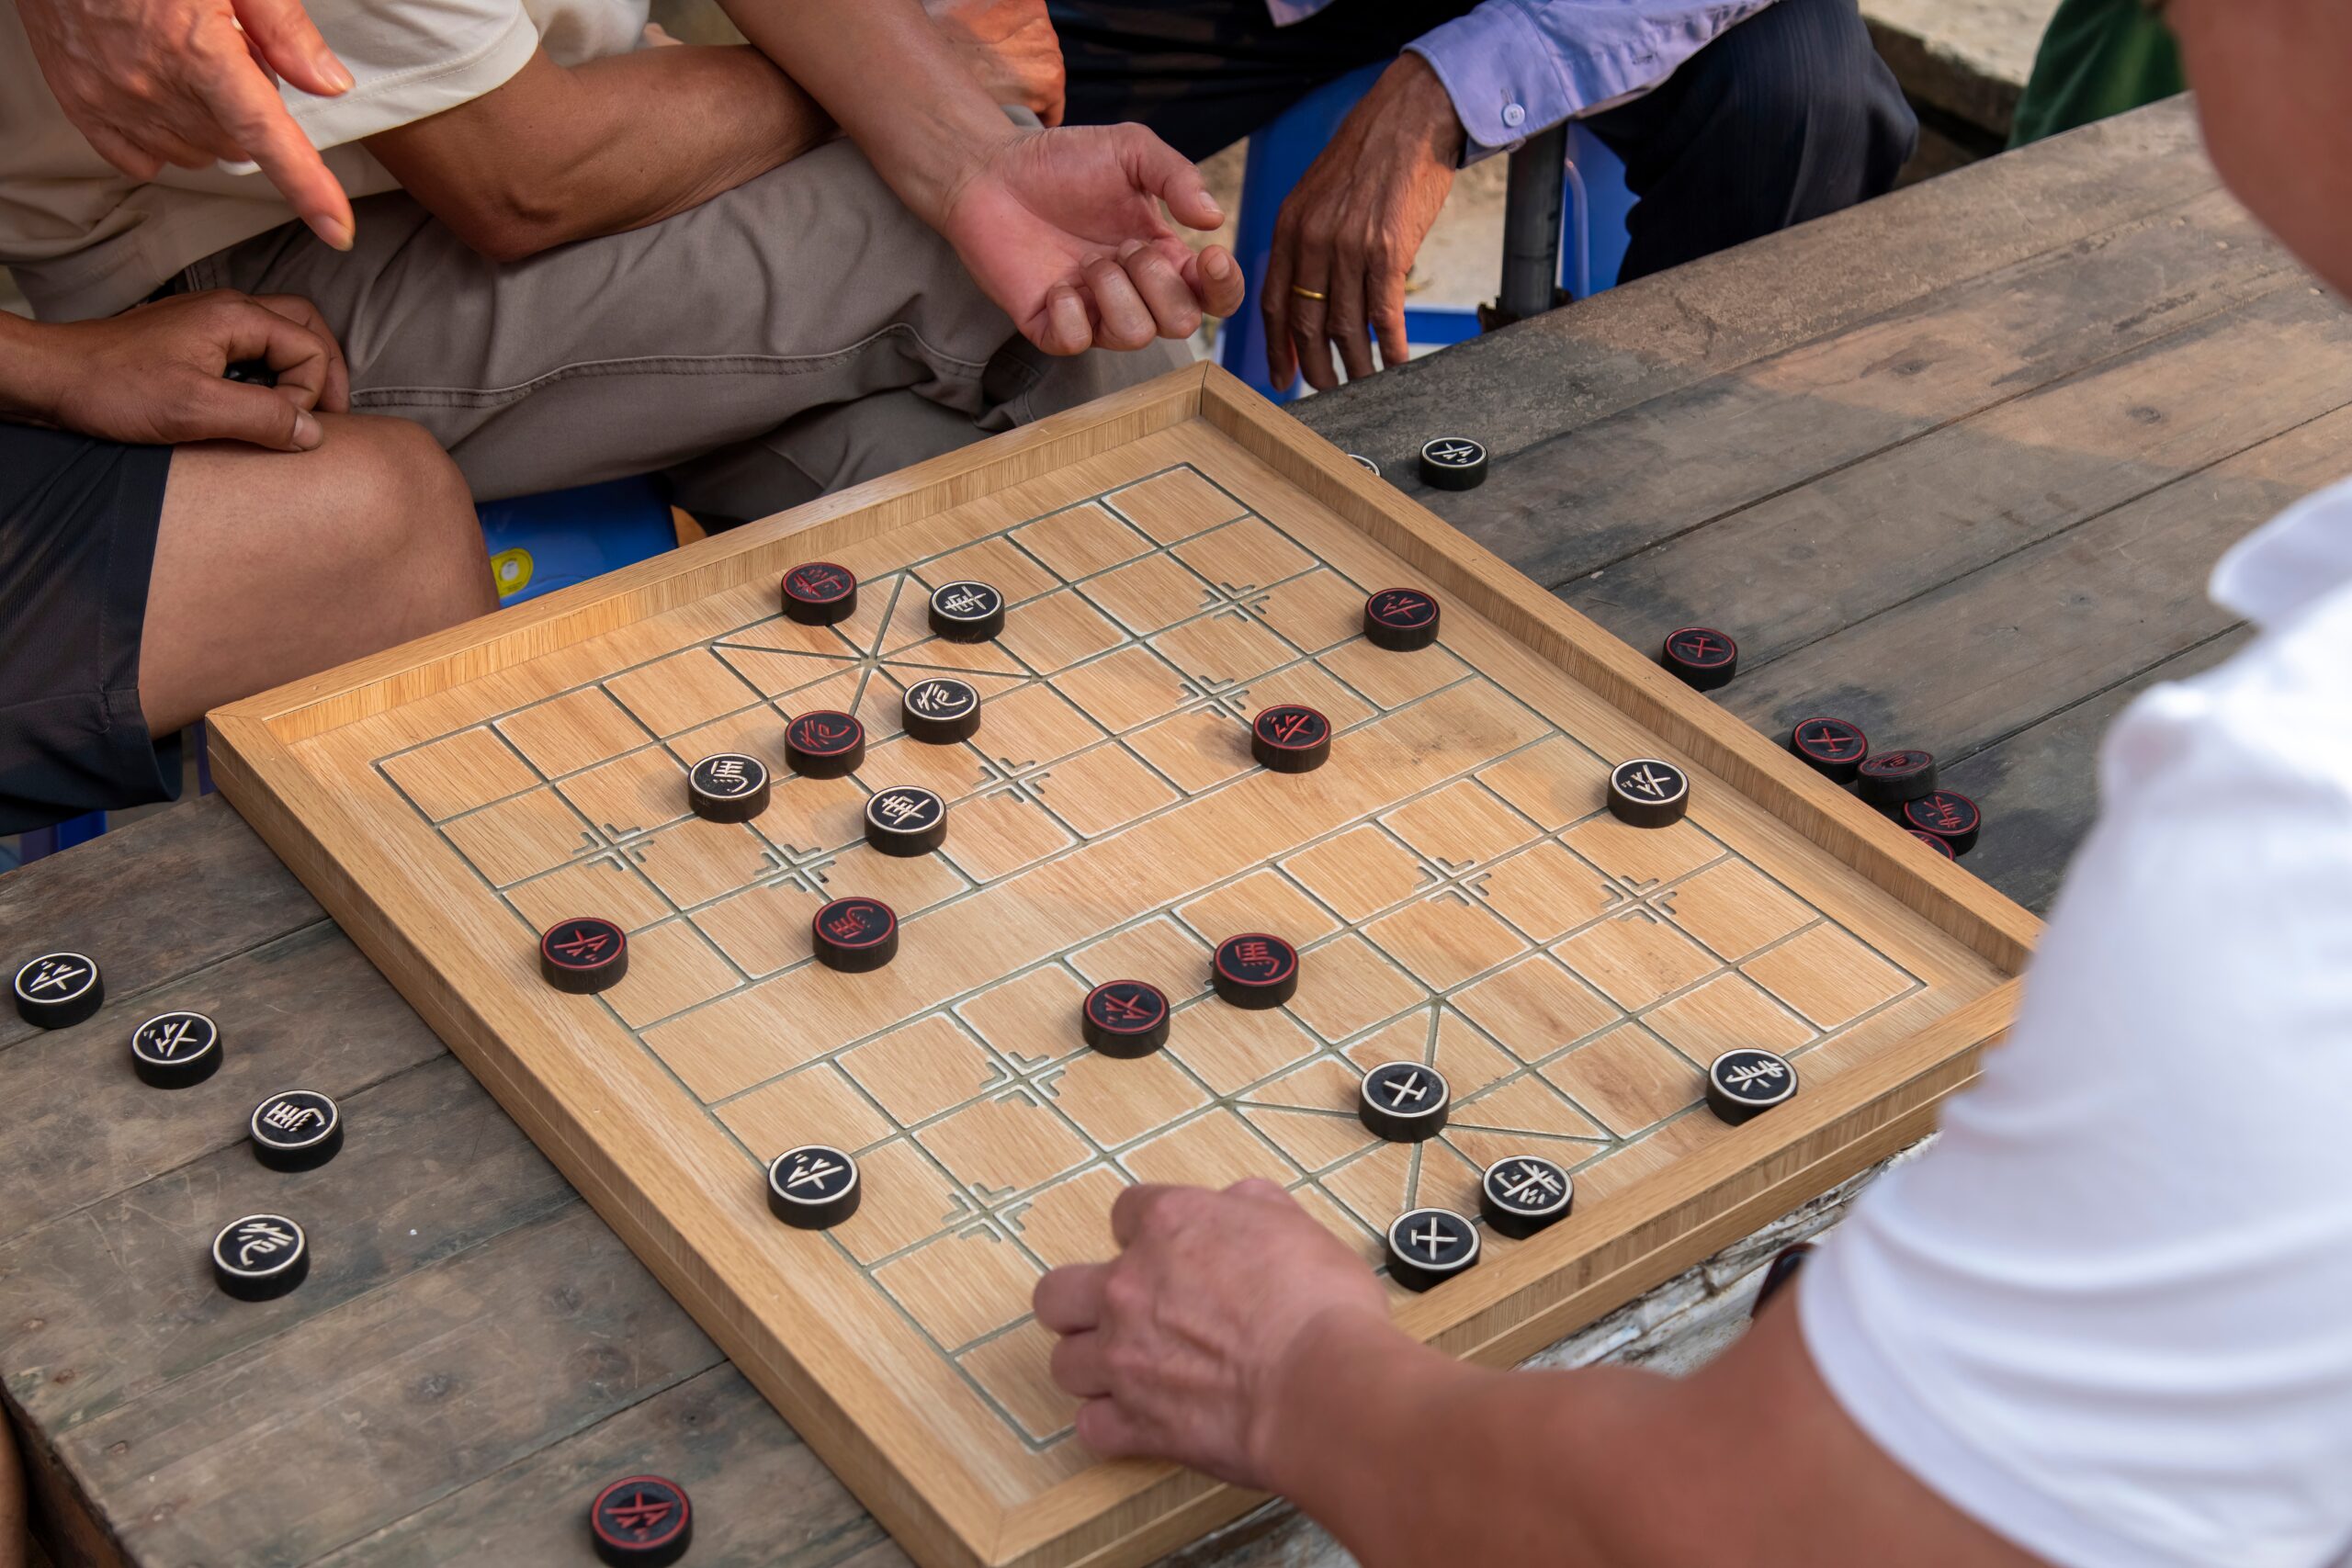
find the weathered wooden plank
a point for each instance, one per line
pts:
(352, 1417)
(2039, 788)
(158, 900)
(1983, 656)
(1597, 495)
(112, 1302)
(1565, 369)
(760, 1495)
(305, 1010)
(1804, 565)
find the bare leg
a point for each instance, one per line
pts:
(272, 566)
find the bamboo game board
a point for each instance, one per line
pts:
(1172, 561)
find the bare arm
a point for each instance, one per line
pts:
(1238, 1335)
(561, 154)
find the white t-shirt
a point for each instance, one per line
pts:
(2109, 1314)
(85, 239)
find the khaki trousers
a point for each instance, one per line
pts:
(798, 334)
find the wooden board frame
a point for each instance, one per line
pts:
(1508, 1308)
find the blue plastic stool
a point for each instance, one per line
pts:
(1593, 247)
(541, 542)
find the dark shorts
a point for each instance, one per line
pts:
(77, 545)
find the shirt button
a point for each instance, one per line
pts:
(1513, 115)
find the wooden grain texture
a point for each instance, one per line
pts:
(2096, 200)
(408, 791)
(188, 889)
(1543, 379)
(1615, 489)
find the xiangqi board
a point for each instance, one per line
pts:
(1133, 952)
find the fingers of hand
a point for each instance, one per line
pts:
(1126, 320)
(1134, 1207)
(1345, 321)
(1108, 1430)
(1080, 1367)
(1274, 302)
(283, 31)
(1068, 1299)
(1068, 329)
(214, 409)
(1175, 312)
(255, 116)
(232, 328)
(1216, 280)
(335, 392)
(1168, 174)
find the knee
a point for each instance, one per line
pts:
(413, 535)
(1804, 77)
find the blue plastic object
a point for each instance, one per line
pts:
(45, 842)
(541, 542)
(1593, 247)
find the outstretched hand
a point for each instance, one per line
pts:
(152, 376)
(1064, 230)
(1180, 1347)
(187, 81)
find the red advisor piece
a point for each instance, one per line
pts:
(584, 953)
(642, 1521)
(1291, 738)
(1125, 1018)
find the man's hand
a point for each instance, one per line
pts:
(152, 376)
(1181, 1345)
(1063, 230)
(1011, 48)
(1351, 226)
(187, 82)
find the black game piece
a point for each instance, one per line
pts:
(1428, 1246)
(824, 744)
(1522, 1193)
(1700, 657)
(1255, 970)
(967, 612)
(1125, 1018)
(906, 820)
(1400, 619)
(1933, 842)
(260, 1258)
(57, 991)
(855, 935)
(583, 955)
(818, 593)
(1365, 463)
(1647, 793)
(297, 1129)
(1890, 778)
(1946, 815)
(813, 1187)
(1831, 748)
(1779, 1272)
(728, 787)
(1453, 462)
(1291, 738)
(1746, 1082)
(251, 372)
(1404, 1102)
(940, 711)
(176, 1050)
(642, 1521)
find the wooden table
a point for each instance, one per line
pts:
(1954, 466)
